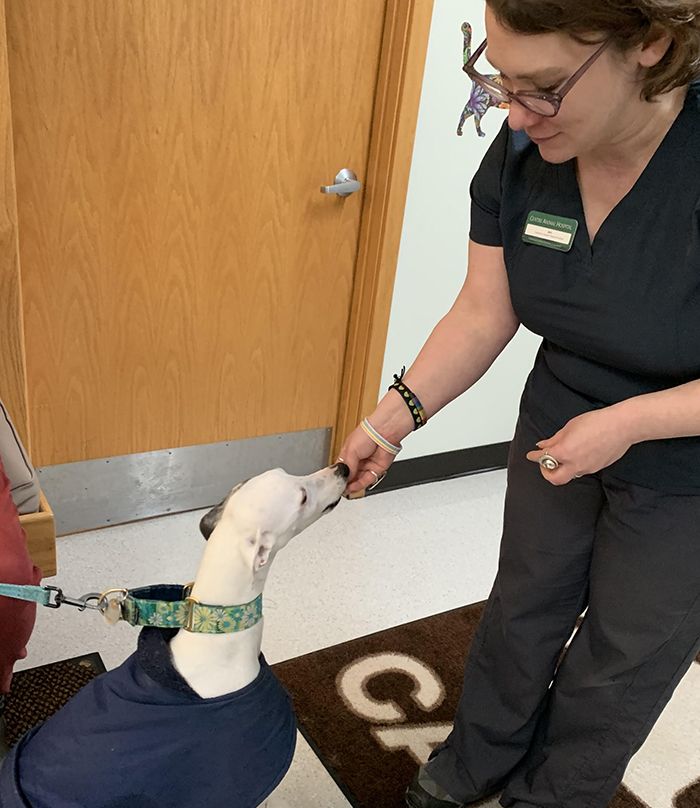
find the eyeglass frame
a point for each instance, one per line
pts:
(555, 98)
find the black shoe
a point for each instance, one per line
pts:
(424, 792)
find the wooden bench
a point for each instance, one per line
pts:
(40, 528)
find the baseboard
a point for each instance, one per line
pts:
(444, 466)
(91, 494)
(100, 493)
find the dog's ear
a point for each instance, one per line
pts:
(211, 519)
(263, 545)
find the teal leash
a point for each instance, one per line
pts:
(51, 596)
(159, 605)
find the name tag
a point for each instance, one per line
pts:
(548, 230)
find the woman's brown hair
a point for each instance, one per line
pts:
(625, 22)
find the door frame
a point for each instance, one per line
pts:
(400, 79)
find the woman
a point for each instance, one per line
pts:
(585, 228)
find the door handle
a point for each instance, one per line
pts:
(346, 183)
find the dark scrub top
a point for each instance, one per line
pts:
(619, 318)
(140, 737)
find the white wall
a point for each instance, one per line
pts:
(433, 252)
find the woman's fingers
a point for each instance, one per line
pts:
(368, 463)
(369, 475)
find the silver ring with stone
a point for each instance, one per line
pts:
(548, 462)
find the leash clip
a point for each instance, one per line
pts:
(82, 603)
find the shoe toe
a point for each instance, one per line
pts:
(417, 796)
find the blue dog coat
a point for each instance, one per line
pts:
(139, 736)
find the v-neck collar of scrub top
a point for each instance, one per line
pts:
(641, 193)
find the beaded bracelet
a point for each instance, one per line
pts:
(383, 443)
(411, 400)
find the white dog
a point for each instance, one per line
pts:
(191, 718)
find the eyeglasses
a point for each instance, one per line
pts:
(542, 103)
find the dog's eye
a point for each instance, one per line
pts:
(303, 496)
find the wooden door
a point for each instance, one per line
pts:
(184, 279)
(13, 391)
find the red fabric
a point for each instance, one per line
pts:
(16, 616)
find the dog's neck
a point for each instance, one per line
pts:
(216, 664)
(225, 576)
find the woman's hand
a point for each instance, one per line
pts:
(588, 443)
(367, 461)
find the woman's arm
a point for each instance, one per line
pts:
(672, 413)
(461, 348)
(596, 439)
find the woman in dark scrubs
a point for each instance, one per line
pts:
(585, 228)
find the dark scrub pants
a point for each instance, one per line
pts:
(631, 555)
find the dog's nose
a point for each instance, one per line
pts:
(342, 470)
